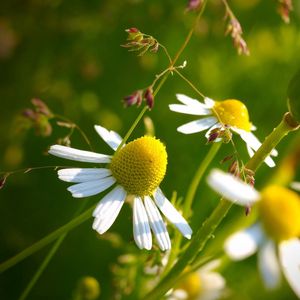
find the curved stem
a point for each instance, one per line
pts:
(47, 239)
(48, 258)
(87, 214)
(186, 211)
(207, 229)
(77, 127)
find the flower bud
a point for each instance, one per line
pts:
(134, 99)
(149, 97)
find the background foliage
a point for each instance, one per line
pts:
(68, 54)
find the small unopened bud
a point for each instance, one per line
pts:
(213, 135)
(134, 99)
(284, 9)
(29, 114)
(149, 97)
(247, 210)
(234, 168)
(226, 158)
(193, 4)
(41, 107)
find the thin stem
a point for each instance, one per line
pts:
(166, 52)
(198, 242)
(207, 229)
(87, 214)
(197, 178)
(186, 211)
(29, 169)
(48, 258)
(189, 34)
(47, 239)
(188, 82)
(77, 127)
(270, 142)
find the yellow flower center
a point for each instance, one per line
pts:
(280, 212)
(232, 112)
(191, 284)
(140, 166)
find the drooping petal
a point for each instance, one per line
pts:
(141, 228)
(82, 174)
(243, 244)
(252, 142)
(78, 155)
(268, 264)
(90, 188)
(289, 256)
(232, 188)
(112, 138)
(172, 214)
(157, 225)
(108, 209)
(197, 125)
(190, 101)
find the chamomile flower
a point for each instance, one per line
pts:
(134, 173)
(204, 284)
(218, 117)
(277, 231)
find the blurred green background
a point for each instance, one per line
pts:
(68, 54)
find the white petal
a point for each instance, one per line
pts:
(253, 143)
(191, 102)
(177, 294)
(172, 214)
(209, 102)
(244, 243)
(232, 188)
(78, 155)
(268, 264)
(295, 186)
(212, 265)
(212, 281)
(190, 110)
(110, 137)
(108, 209)
(157, 225)
(82, 174)
(289, 256)
(198, 125)
(141, 228)
(90, 188)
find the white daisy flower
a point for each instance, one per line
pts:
(229, 113)
(205, 284)
(278, 230)
(134, 172)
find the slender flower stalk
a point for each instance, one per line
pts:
(207, 229)
(88, 213)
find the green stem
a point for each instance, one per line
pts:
(286, 125)
(207, 229)
(198, 242)
(48, 258)
(197, 178)
(47, 239)
(87, 214)
(189, 199)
